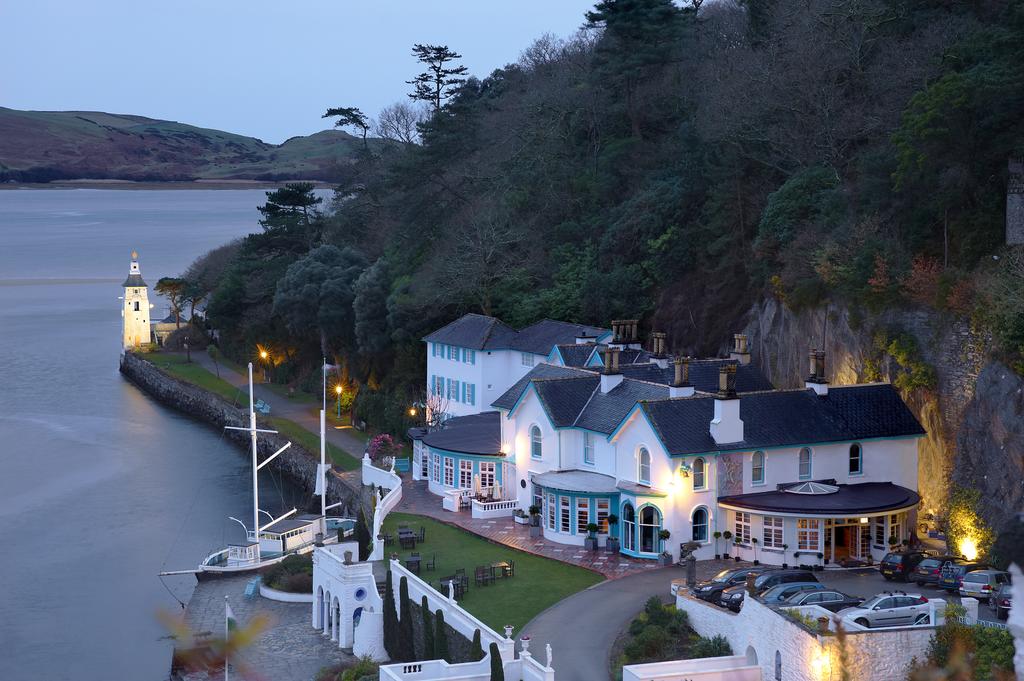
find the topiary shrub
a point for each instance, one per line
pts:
(716, 646)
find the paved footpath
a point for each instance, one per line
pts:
(583, 627)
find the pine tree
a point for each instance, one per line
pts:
(440, 638)
(390, 618)
(428, 632)
(406, 637)
(477, 651)
(440, 81)
(497, 669)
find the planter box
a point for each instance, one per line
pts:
(664, 559)
(612, 545)
(590, 543)
(521, 520)
(536, 531)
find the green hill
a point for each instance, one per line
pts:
(41, 146)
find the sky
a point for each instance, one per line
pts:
(263, 68)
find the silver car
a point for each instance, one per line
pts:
(891, 609)
(981, 584)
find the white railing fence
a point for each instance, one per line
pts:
(453, 498)
(494, 509)
(390, 481)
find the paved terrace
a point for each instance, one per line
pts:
(418, 500)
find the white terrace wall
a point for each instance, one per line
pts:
(728, 668)
(389, 480)
(759, 633)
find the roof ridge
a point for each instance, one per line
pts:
(586, 404)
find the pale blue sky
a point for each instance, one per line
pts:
(263, 68)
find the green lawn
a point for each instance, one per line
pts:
(311, 442)
(538, 583)
(194, 373)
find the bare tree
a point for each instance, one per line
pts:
(436, 408)
(399, 123)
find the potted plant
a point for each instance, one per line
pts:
(727, 535)
(737, 544)
(521, 517)
(590, 543)
(819, 566)
(535, 528)
(893, 542)
(664, 558)
(753, 540)
(717, 535)
(613, 540)
(785, 548)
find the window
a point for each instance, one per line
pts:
(465, 473)
(453, 389)
(856, 459)
(469, 356)
(742, 532)
(563, 516)
(603, 507)
(699, 481)
(538, 496)
(453, 353)
(644, 472)
(551, 511)
(805, 463)
(650, 525)
(588, 447)
(895, 529)
(880, 531)
(449, 471)
(628, 527)
(486, 474)
(437, 467)
(439, 386)
(582, 515)
(469, 390)
(807, 533)
(757, 469)
(536, 448)
(433, 349)
(526, 358)
(136, 306)
(772, 532)
(700, 525)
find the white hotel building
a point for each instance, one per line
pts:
(585, 424)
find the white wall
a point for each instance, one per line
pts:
(728, 668)
(462, 372)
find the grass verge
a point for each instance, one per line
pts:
(194, 373)
(311, 442)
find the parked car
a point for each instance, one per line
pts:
(711, 590)
(900, 565)
(927, 571)
(890, 609)
(1002, 601)
(982, 584)
(781, 592)
(732, 597)
(826, 598)
(952, 573)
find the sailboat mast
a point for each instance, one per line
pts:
(323, 464)
(255, 474)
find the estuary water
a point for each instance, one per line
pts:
(101, 487)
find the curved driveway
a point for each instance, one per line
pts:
(582, 628)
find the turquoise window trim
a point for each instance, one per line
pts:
(810, 464)
(860, 460)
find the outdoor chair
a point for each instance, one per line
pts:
(510, 571)
(432, 563)
(388, 539)
(407, 542)
(484, 576)
(464, 503)
(423, 534)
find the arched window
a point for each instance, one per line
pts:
(700, 525)
(856, 459)
(650, 525)
(778, 666)
(628, 527)
(699, 479)
(536, 450)
(805, 463)
(757, 468)
(644, 474)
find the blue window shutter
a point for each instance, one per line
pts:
(472, 393)
(433, 383)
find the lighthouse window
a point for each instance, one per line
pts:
(136, 306)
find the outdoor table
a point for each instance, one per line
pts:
(458, 585)
(413, 563)
(503, 566)
(406, 537)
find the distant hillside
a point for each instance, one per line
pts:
(41, 146)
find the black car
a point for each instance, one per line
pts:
(929, 570)
(711, 590)
(732, 597)
(900, 565)
(828, 599)
(1002, 601)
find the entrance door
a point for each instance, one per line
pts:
(842, 539)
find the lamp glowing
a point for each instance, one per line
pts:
(863, 521)
(968, 548)
(412, 411)
(337, 389)
(263, 354)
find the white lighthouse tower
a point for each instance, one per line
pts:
(135, 329)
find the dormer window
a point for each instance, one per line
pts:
(526, 358)
(644, 466)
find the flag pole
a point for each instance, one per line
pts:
(227, 630)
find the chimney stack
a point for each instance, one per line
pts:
(726, 425)
(816, 380)
(681, 382)
(610, 377)
(625, 333)
(740, 349)
(583, 339)
(658, 348)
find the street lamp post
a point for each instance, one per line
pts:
(263, 360)
(337, 391)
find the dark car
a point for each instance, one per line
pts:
(1002, 601)
(951, 574)
(929, 569)
(828, 599)
(711, 590)
(900, 565)
(732, 597)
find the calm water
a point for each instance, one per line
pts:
(100, 487)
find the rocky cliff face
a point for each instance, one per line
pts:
(973, 415)
(295, 462)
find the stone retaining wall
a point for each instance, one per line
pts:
(298, 464)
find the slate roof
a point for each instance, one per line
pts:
(865, 497)
(480, 332)
(574, 355)
(606, 410)
(576, 481)
(474, 434)
(564, 398)
(134, 280)
(509, 398)
(786, 418)
(703, 375)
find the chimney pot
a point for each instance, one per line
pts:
(727, 381)
(816, 380)
(740, 349)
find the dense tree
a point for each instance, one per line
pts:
(476, 651)
(390, 618)
(497, 668)
(174, 289)
(363, 538)
(290, 218)
(441, 79)
(370, 305)
(428, 631)
(406, 636)
(441, 637)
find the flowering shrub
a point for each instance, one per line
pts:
(382, 446)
